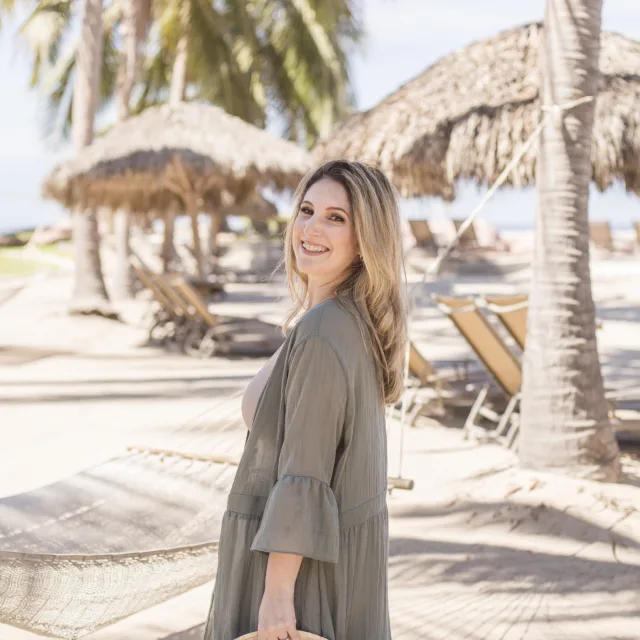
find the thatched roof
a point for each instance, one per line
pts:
(466, 114)
(256, 206)
(149, 162)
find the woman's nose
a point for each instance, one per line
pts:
(311, 225)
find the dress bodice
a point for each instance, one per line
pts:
(255, 388)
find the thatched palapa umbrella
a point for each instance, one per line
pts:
(185, 157)
(465, 115)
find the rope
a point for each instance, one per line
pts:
(502, 308)
(552, 111)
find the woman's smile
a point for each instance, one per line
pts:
(313, 249)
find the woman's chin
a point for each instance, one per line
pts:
(309, 268)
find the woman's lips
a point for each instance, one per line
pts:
(313, 253)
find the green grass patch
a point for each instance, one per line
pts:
(24, 236)
(62, 249)
(11, 264)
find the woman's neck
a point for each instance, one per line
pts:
(318, 294)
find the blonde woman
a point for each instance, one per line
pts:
(304, 539)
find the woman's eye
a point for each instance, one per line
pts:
(306, 211)
(337, 217)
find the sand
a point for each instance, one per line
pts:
(480, 549)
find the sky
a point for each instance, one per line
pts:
(403, 38)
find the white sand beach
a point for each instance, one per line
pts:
(479, 548)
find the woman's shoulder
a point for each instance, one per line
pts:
(334, 321)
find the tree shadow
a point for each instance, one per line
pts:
(194, 633)
(206, 391)
(527, 519)
(481, 592)
(498, 566)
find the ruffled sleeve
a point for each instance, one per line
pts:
(301, 514)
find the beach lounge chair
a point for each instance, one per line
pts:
(601, 236)
(168, 320)
(424, 236)
(261, 227)
(424, 376)
(468, 241)
(499, 362)
(419, 367)
(636, 226)
(431, 388)
(512, 312)
(211, 334)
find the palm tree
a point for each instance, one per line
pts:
(89, 292)
(255, 56)
(236, 53)
(81, 69)
(565, 424)
(286, 58)
(133, 30)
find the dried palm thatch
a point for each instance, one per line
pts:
(255, 206)
(465, 115)
(168, 155)
(176, 158)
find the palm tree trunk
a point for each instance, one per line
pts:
(89, 291)
(215, 225)
(128, 65)
(192, 210)
(565, 424)
(168, 248)
(179, 72)
(123, 276)
(176, 95)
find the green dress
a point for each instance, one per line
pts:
(312, 481)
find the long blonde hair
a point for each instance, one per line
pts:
(375, 282)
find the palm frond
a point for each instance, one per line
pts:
(214, 47)
(44, 31)
(57, 85)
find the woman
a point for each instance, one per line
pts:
(305, 535)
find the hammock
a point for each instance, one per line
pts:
(82, 553)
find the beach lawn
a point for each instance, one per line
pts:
(13, 262)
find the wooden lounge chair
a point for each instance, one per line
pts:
(212, 334)
(468, 241)
(419, 367)
(165, 281)
(192, 307)
(512, 313)
(424, 237)
(499, 362)
(261, 227)
(148, 282)
(168, 320)
(504, 367)
(600, 235)
(435, 389)
(425, 374)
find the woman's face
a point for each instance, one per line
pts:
(323, 237)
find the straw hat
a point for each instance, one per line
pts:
(303, 636)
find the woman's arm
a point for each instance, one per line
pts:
(277, 617)
(301, 515)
